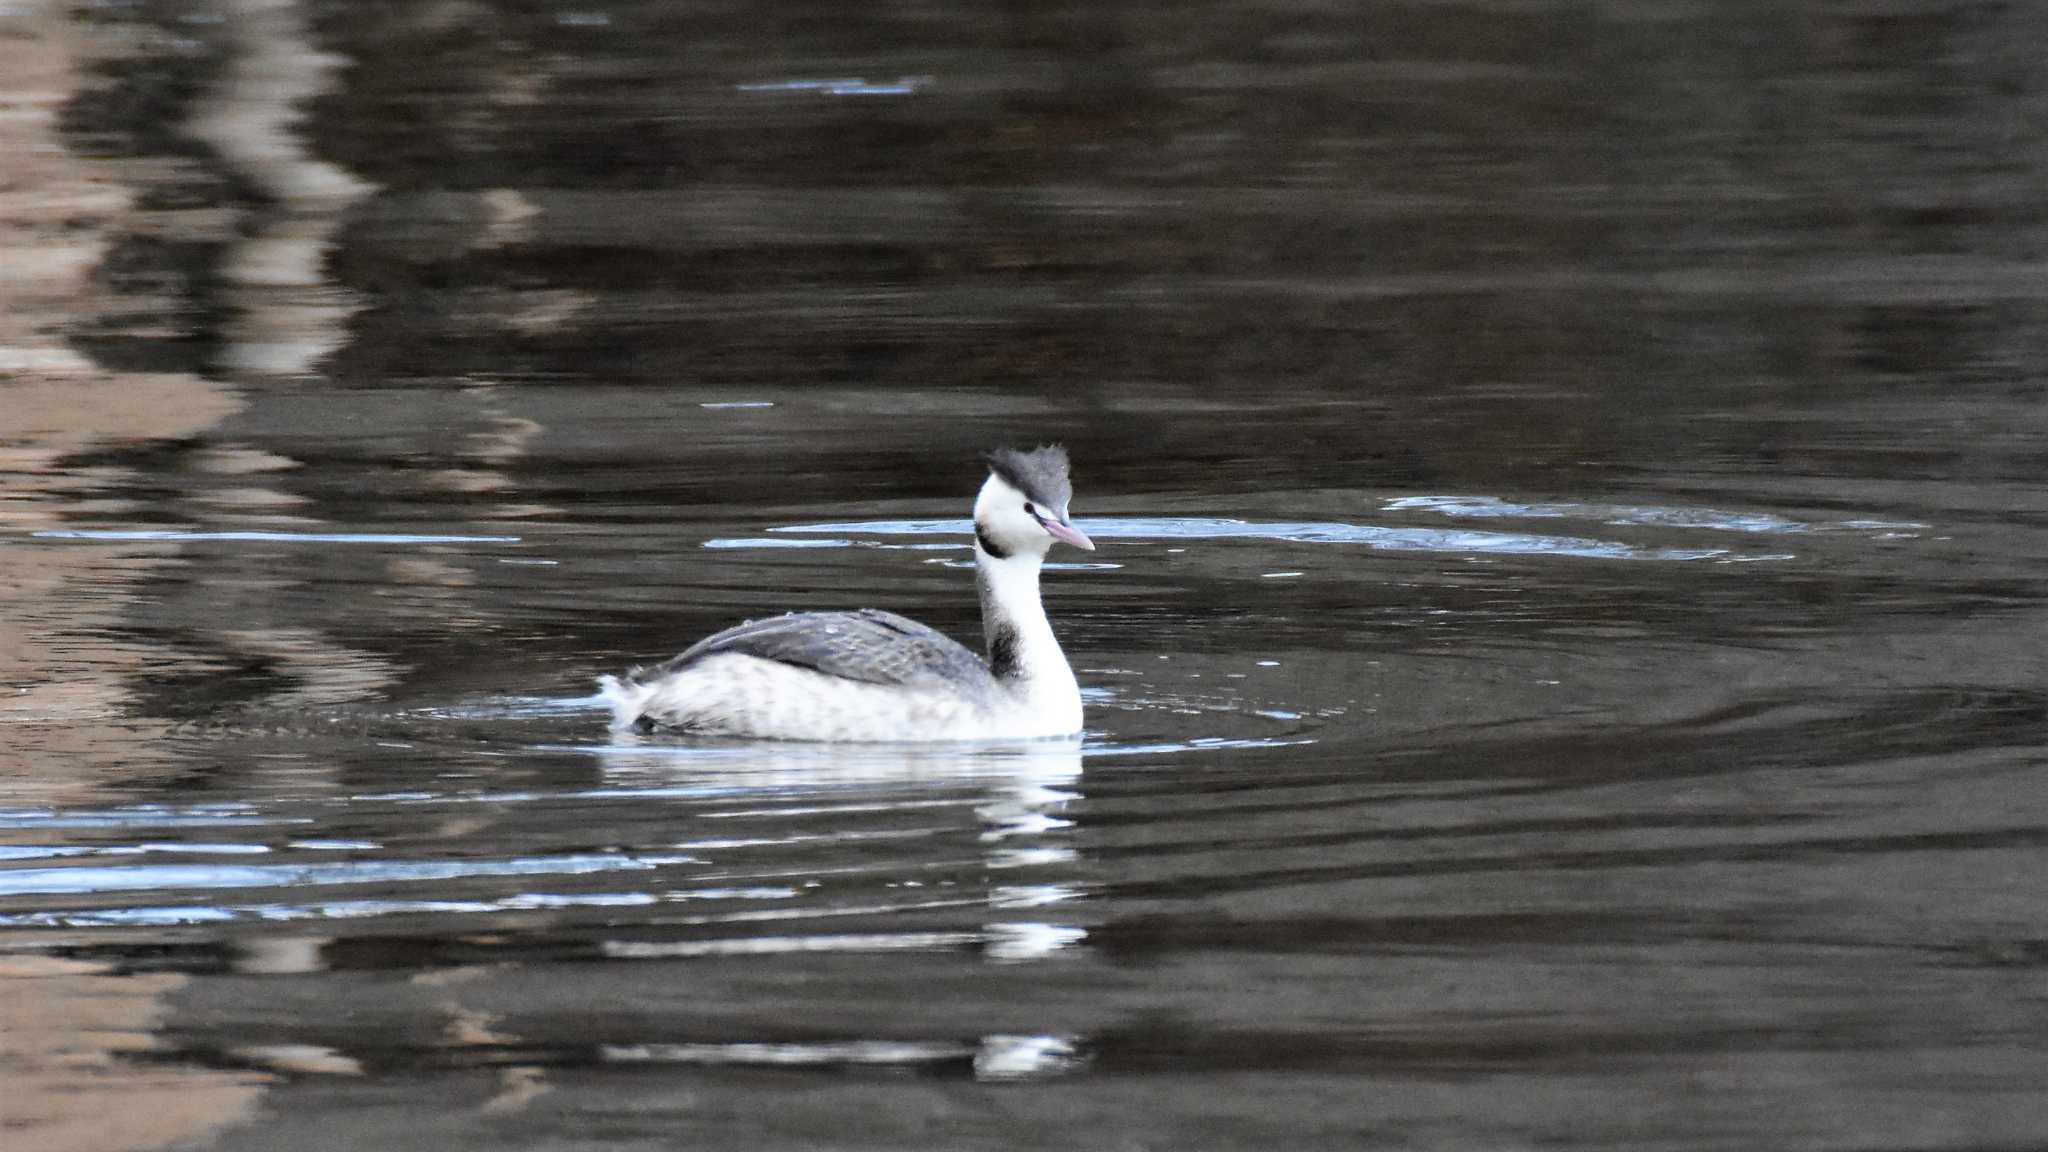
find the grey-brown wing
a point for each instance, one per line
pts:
(869, 645)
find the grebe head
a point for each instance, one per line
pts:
(1022, 508)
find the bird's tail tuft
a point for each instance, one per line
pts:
(625, 698)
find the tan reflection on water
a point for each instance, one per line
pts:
(63, 674)
(467, 1027)
(288, 315)
(72, 1032)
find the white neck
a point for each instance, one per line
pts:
(1022, 651)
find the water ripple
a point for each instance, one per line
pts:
(994, 1057)
(143, 815)
(788, 1055)
(783, 945)
(175, 536)
(840, 86)
(175, 915)
(1709, 519)
(1297, 532)
(144, 877)
(51, 851)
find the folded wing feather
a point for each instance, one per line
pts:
(869, 645)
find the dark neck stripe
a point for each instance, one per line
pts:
(1003, 657)
(995, 551)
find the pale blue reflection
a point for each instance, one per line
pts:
(173, 915)
(843, 942)
(142, 877)
(729, 543)
(170, 535)
(993, 1057)
(1300, 532)
(1709, 519)
(49, 851)
(771, 542)
(144, 816)
(841, 86)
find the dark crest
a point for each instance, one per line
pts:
(1041, 474)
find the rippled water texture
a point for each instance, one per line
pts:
(1563, 657)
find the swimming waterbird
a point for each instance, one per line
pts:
(871, 675)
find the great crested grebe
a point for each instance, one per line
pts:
(876, 676)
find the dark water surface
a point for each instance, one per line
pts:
(1564, 656)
